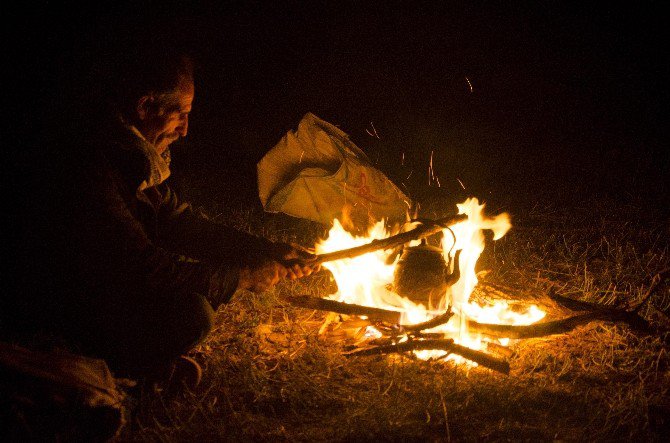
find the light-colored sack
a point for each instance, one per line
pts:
(317, 173)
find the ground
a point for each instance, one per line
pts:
(269, 375)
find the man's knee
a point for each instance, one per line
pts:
(199, 320)
(204, 322)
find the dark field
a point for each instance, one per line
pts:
(564, 128)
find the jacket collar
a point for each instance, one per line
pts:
(138, 159)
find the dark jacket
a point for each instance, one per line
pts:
(111, 248)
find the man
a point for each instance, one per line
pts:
(135, 275)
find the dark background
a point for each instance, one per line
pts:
(566, 102)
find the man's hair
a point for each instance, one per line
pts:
(156, 70)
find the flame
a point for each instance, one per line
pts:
(367, 280)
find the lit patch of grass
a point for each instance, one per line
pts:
(269, 375)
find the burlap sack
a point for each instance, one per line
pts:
(317, 173)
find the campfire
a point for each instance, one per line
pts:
(400, 294)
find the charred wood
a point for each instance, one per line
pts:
(412, 345)
(554, 327)
(421, 231)
(430, 324)
(321, 304)
(447, 345)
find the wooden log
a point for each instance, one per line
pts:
(577, 305)
(481, 358)
(447, 345)
(421, 231)
(412, 345)
(553, 327)
(373, 314)
(321, 304)
(499, 349)
(580, 305)
(430, 324)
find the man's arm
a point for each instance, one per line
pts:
(262, 263)
(191, 233)
(119, 250)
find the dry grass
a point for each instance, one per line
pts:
(270, 376)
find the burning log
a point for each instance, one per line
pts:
(321, 304)
(373, 314)
(447, 345)
(553, 327)
(481, 358)
(412, 345)
(430, 324)
(421, 231)
(500, 350)
(630, 316)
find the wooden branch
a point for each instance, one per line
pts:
(421, 231)
(578, 305)
(321, 304)
(447, 345)
(554, 327)
(413, 345)
(430, 324)
(373, 314)
(499, 349)
(481, 358)
(630, 314)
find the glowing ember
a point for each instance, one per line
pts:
(365, 280)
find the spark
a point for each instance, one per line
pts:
(301, 155)
(469, 84)
(438, 182)
(374, 131)
(345, 193)
(402, 162)
(459, 181)
(431, 172)
(410, 174)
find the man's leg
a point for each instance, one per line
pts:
(146, 337)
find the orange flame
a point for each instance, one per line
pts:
(366, 280)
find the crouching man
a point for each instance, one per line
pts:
(139, 273)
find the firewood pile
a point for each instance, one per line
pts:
(378, 331)
(397, 338)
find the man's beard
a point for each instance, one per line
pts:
(164, 142)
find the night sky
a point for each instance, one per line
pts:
(565, 99)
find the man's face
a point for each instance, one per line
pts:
(162, 125)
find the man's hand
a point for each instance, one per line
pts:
(261, 278)
(296, 260)
(283, 262)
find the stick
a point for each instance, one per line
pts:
(501, 350)
(374, 314)
(413, 345)
(447, 345)
(572, 304)
(481, 358)
(430, 324)
(321, 304)
(421, 231)
(554, 327)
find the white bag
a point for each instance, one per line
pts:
(317, 173)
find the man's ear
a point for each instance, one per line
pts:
(143, 106)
